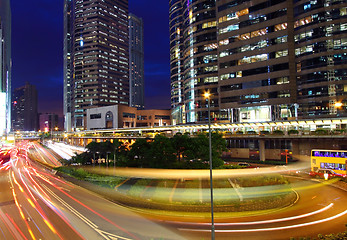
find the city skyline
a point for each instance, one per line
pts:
(38, 51)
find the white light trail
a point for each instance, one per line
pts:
(270, 229)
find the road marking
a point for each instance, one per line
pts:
(173, 191)
(236, 188)
(104, 234)
(121, 183)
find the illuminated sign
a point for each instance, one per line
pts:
(333, 154)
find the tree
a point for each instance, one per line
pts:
(117, 149)
(106, 148)
(218, 147)
(181, 143)
(199, 149)
(162, 152)
(93, 147)
(139, 153)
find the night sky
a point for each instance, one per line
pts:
(37, 50)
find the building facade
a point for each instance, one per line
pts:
(97, 42)
(49, 122)
(193, 54)
(5, 67)
(136, 62)
(68, 66)
(260, 60)
(122, 116)
(24, 109)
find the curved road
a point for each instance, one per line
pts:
(35, 204)
(321, 208)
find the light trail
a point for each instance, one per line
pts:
(34, 203)
(260, 222)
(98, 214)
(16, 226)
(10, 227)
(270, 229)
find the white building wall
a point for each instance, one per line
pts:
(100, 123)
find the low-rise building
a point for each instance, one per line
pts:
(122, 116)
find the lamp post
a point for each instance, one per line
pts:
(207, 96)
(107, 159)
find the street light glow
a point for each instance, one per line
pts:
(338, 104)
(207, 95)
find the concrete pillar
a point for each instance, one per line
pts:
(262, 150)
(295, 149)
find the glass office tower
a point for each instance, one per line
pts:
(261, 60)
(136, 62)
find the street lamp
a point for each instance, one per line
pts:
(207, 96)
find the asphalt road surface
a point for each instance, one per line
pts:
(36, 204)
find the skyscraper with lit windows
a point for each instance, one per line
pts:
(136, 62)
(24, 108)
(193, 59)
(96, 57)
(5, 67)
(267, 60)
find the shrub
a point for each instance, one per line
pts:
(264, 132)
(251, 132)
(293, 131)
(321, 131)
(338, 131)
(277, 132)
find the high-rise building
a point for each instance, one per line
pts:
(194, 62)
(261, 60)
(5, 67)
(49, 122)
(96, 55)
(24, 109)
(67, 64)
(136, 62)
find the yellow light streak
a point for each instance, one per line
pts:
(50, 226)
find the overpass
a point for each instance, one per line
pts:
(258, 140)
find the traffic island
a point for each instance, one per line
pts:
(191, 197)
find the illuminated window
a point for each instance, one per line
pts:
(343, 11)
(253, 59)
(281, 53)
(303, 21)
(209, 24)
(224, 42)
(280, 27)
(210, 47)
(282, 80)
(229, 28)
(242, 12)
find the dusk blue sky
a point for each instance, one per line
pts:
(37, 50)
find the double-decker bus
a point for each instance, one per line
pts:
(335, 160)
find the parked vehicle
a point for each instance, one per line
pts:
(326, 173)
